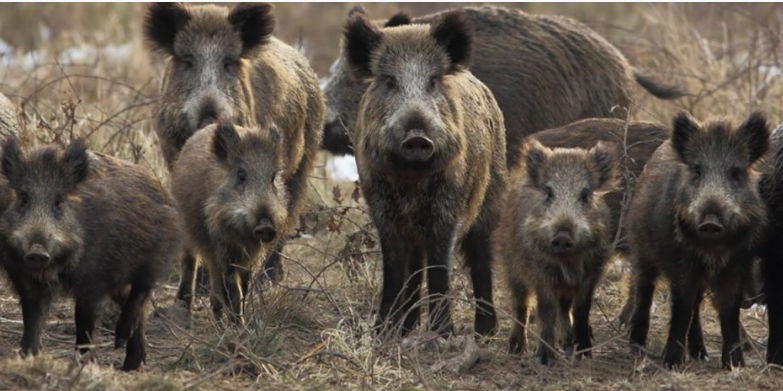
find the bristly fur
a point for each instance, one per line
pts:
(361, 39)
(683, 128)
(255, 22)
(750, 130)
(162, 23)
(226, 140)
(398, 19)
(535, 157)
(454, 32)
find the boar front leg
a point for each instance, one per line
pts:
(439, 256)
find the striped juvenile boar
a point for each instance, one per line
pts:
(91, 226)
(555, 238)
(430, 148)
(229, 183)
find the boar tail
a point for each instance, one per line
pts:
(657, 89)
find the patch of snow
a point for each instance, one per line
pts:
(342, 169)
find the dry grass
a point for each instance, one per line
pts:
(314, 330)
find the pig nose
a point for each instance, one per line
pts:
(417, 147)
(265, 231)
(563, 241)
(208, 116)
(37, 255)
(710, 225)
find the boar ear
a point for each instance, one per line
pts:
(755, 133)
(399, 19)
(75, 162)
(684, 127)
(162, 23)
(274, 134)
(357, 9)
(536, 156)
(226, 140)
(361, 39)
(255, 22)
(604, 159)
(12, 160)
(454, 33)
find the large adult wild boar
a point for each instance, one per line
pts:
(545, 71)
(696, 219)
(430, 149)
(225, 65)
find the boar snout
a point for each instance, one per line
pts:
(563, 242)
(710, 225)
(417, 147)
(265, 231)
(37, 255)
(208, 114)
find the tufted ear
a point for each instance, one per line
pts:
(12, 160)
(398, 19)
(357, 9)
(755, 133)
(684, 127)
(361, 39)
(75, 162)
(604, 160)
(225, 142)
(255, 23)
(536, 156)
(454, 33)
(162, 23)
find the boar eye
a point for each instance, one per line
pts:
(735, 173)
(389, 82)
(24, 198)
(187, 61)
(696, 171)
(58, 200)
(432, 83)
(549, 193)
(584, 196)
(230, 64)
(241, 176)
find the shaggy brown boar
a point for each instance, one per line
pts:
(230, 184)
(555, 238)
(431, 158)
(89, 225)
(771, 188)
(545, 71)
(695, 219)
(225, 65)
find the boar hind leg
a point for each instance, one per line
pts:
(394, 251)
(727, 298)
(547, 318)
(411, 307)
(86, 310)
(518, 341)
(130, 330)
(696, 347)
(582, 331)
(439, 259)
(683, 298)
(478, 254)
(187, 283)
(643, 290)
(564, 327)
(35, 306)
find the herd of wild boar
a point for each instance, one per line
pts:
(484, 131)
